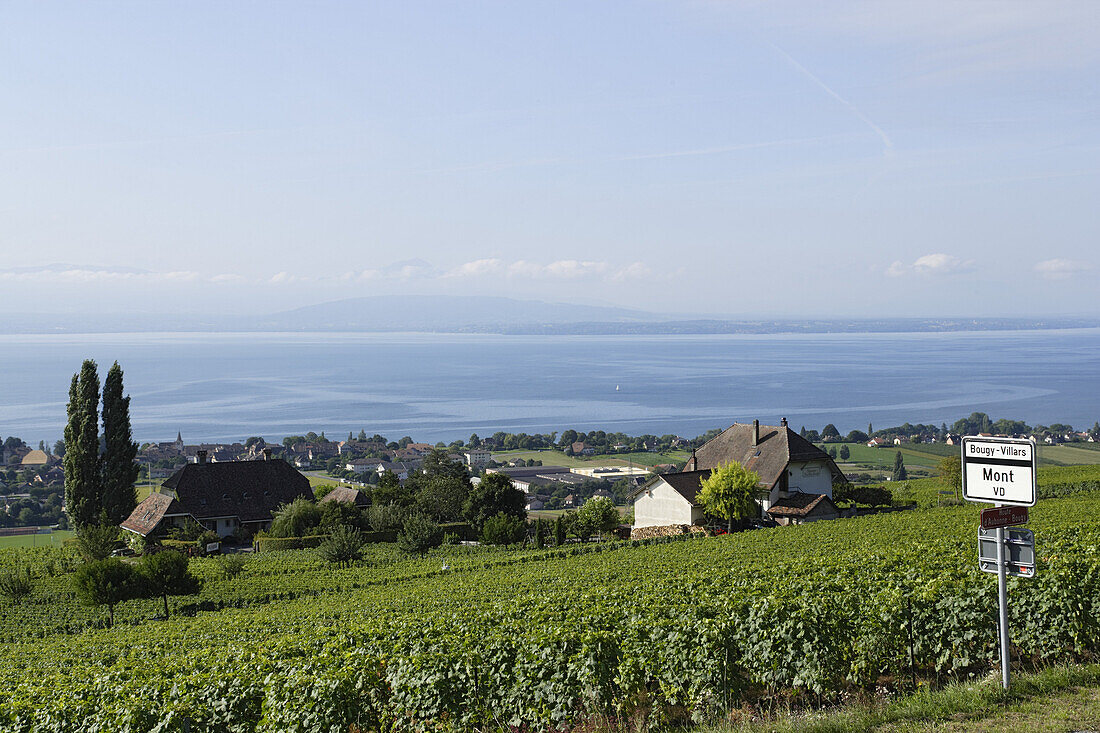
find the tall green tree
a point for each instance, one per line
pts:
(119, 469)
(165, 574)
(83, 487)
(105, 583)
(730, 493)
(900, 474)
(951, 473)
(495, 494)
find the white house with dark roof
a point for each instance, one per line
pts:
(787, 464)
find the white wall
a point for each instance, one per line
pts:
(812, 477)
(660, 505)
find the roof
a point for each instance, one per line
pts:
(686, 484)
(778, 446)
(147, 515)
(801, 505)
(251, 490)
(36, 458)
(346, 495)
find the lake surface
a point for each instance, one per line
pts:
(220, 387)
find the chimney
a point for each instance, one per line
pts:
(200, 456)
(267, 454)
(756, 432)
(694, 460)
(783, 422)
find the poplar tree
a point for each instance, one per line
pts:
(119, 470)
(83, 493)
(900, 474)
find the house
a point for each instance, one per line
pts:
(786, 463)
(477, 457)
(953, 439)
(362, 465)
(347, 495)
(36, 458)
(876, 442)
(235, 497)
(580, 449)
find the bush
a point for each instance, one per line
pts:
(343, 547)
(231, 565)
(207, 538)
(16, 583)
(105, 583)
(165, 574)
(97, 542)
(419, 534)
(383, 518)
(296, 518)
(503, 529)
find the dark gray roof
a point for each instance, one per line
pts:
(686, 484)
(777, 447)
(801, 505)
(251, 490)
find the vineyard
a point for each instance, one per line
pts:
(468, 638)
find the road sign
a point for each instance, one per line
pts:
(1019, 555)
(1003, 516)
(999, 470)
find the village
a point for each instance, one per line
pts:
(235, 490)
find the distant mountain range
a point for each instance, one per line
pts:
(488, 314)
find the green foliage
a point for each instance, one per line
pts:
(164, 574)
(900, 474)
(495, 494)
(599, 513)
(867, 495)
(83, 493)
(442, 497)
(231, 565)
(730, 493)
(344, 546)
(296, 519)
(951, 474)
(273, 544)
(118, 467)
(503, 529)
(385, 517)
(97, 541)
(419, 534)
(844, 453)
(16, 582)
(669, 629)
(559, 532)
(105, 583)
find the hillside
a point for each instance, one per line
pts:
(671, 630)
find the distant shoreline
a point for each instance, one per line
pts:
(700, 327)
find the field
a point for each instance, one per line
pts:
(474, 638)
(54, 539)
(557, 458)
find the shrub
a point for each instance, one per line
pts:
(231, 565)
(16, 583)
(343, 547)
(96, 542)
(503, 529)
(419, 534)
(206, 538)
(105, 583)
(165, 574)
(296, 518)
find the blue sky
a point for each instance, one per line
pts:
(740, 158)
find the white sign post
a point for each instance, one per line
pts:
(1002, 471)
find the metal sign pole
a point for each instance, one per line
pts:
(1002, 597)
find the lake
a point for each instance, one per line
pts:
(228, 386)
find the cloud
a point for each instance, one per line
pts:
(1061, 269)
(556, 270)
(936, 263)
(77, 274)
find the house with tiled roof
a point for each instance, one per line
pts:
(786, 463)
(234, 497)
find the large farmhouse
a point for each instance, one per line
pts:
(235, 497)
(793, 473)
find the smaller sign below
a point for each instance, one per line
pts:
(1019, 552)
(213, 547)
(1003, 516)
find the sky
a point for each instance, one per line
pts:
(792, 159)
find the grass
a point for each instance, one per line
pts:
(55, 539)
(557, 458)
(1068, 455)
(1054, 699)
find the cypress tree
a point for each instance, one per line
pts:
(559, 531)
(83, 494)
(900, 474)
(119, 469)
